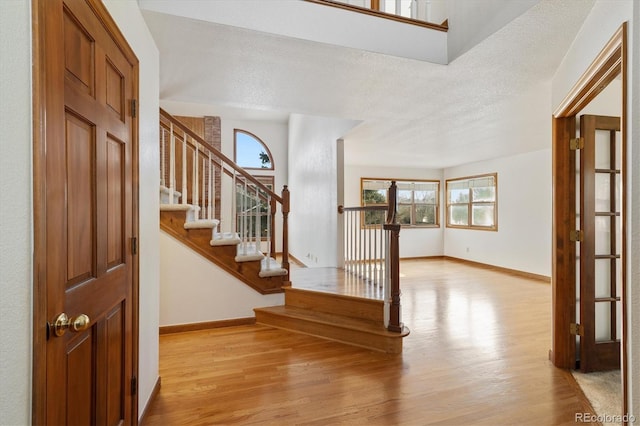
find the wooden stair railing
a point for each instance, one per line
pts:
(365, 244)
(372, 251)
(375, 10)
(191, 176)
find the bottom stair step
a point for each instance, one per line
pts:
(358, 332)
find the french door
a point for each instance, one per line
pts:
(600, 239)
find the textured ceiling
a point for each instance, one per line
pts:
(490, 102)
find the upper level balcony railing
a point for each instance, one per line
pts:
(430, 13)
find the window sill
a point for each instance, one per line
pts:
(474, 228)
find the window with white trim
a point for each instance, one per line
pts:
(472, 202)
(418, 200)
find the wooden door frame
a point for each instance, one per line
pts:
(46, 109)
(611, 61)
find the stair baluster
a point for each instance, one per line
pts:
(211, 200)
(244, 218)
(256, 216)
(163, 144)
(234, 204)
(269, 251)
(204, 211)
(194, 181)
(172, 164)
(184, 169)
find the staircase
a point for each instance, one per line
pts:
(192, 173)
(371, 268)
(224, 249)
(352, 320)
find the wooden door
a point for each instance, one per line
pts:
(601, 243)
(86, 174)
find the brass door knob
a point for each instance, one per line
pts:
(63, 322)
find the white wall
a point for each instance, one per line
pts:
(603, 21)
(470, 22)
(313, 175)
(414, 242)
(436, 11)
(523, 239)
(598, 28)
(193, 289)
(130, 21)
(16, 230)
(608, 102)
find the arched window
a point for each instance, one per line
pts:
(251, 152)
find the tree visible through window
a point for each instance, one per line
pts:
(418, 201)
(251, 152)
(472, 202)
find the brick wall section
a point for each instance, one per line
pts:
(213, 136)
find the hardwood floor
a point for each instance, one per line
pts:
(477, 355)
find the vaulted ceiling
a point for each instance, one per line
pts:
(491, 101)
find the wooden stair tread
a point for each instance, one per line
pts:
(350, 298)
(353, 331)
(339, 304)
(334, 320)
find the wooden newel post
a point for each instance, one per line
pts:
(394, 256)
(272, 223)
(392, 209)
(285, 230)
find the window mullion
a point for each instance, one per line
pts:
(412, 220)
(470, 209)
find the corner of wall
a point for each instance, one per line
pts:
(16, 207)
(633, 291)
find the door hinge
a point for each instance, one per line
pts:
(134, 245)
(577, 329)
(134, 385)
(575, 235)
(134, 105)
(576, 144)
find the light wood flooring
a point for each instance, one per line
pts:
(477, 355)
